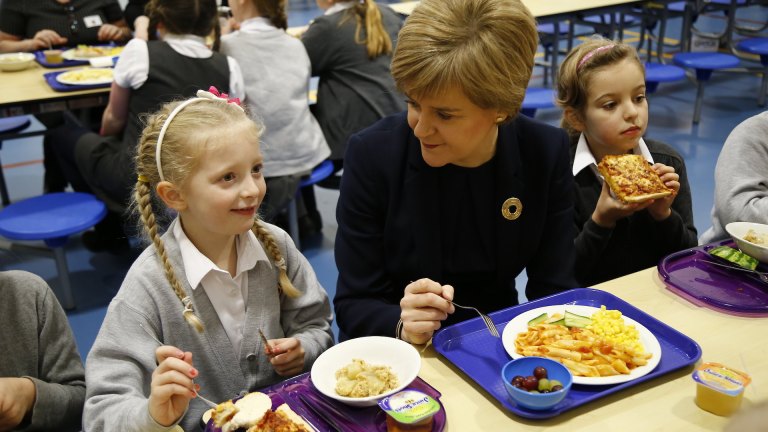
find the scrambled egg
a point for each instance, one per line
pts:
(609, 325)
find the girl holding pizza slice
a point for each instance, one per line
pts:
(601, 88)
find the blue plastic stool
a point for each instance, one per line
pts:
(704, 63)
(321, 172)
(536, 98)
(758, 46)
(52, 218)
(9, 125)
(656, 73)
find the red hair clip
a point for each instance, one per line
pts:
(214, 91)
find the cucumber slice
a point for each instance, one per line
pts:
(561, 322)
(734, 256)
(574, 320)
(538, 319)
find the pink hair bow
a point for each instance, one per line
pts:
(214, 91)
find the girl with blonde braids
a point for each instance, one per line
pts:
(205, 288)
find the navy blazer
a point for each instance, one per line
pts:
(388, 236)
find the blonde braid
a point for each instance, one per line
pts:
(144, 202)
(266, 239)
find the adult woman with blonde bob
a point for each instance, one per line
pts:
(453, 199)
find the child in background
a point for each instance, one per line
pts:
(601, 87)
(42, 381)
(276, 71)
(148, 74)
(741, 178)
(350, 48)
(210, 283)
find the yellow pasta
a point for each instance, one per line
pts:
(581, 350)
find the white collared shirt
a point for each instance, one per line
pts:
(256, 24)
(338, 7)
(132, 69)
(584, 157)
(229, 295)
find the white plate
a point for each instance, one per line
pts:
(76, 76)
(650, 343)
(99, 51)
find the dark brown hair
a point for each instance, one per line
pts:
(195, 17)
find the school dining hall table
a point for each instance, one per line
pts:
(26, 92)
(664, 403)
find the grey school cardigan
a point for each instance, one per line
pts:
(36, 342)
(120, 364)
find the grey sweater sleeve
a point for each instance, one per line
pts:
(119, 369)
(308, 317)
(61, 385)
(741, 178)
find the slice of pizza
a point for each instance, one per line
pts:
(631, 178)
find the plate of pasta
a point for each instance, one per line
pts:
(599, 346)
(87, 52)
(86, 76)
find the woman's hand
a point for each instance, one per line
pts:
(172, 386)
(17, 397)
(424, 305)
(287, 356)
(661, 207)
(45, 39)
(111, 32)
(609, 209)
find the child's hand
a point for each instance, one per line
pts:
(287, 356)
(172, 385)
(609, 209)
(17, 397)
(660, 209)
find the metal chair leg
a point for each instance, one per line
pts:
(293, 221)
(6, 199)
(65, 292)
(699, 100)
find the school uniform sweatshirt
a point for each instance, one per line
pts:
(120, 364)
(741, 178)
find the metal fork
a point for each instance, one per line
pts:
(762, 275)
(486, 319)
(207, 402)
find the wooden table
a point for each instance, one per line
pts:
(665, 403)
(26, 92)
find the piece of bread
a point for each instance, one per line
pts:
(251, 409)
(631, 178)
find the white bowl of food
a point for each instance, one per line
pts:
(16, 61)
(359, 372)
(751, 238)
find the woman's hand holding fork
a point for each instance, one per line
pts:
(425, 304)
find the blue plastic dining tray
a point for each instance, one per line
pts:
(40, 58)
(50, 78)
(471, 348)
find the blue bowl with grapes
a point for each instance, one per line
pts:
(536, 383)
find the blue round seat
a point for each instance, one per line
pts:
(52, 218)
(536, 98)
(9, 125)
(704, 63)
(656, 73)
(758, 46)
(321, 172)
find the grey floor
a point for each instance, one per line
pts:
(730, 98)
